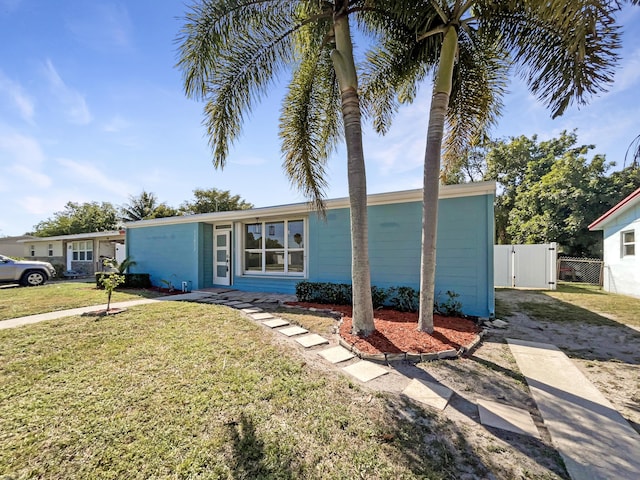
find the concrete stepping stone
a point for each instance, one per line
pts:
(506, 417)
(336, 354)
(433, 394)
(232, 303)
(275, 323)
(312, 340)
(251, 310)
(261, 316)
(240, 306)
(365, 371)
(292, 331)
(217, 301)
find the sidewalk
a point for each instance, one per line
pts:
(594, 440)
(20, 321)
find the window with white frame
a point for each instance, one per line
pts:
(628, 243)
(32, 250)
(82, 251)
(50, 249)
(274, 247)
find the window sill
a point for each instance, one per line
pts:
(273, 275)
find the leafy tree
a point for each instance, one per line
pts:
(145, 206)
(564, 52)
(560, 204)
(550, 191)
(521, 158)
(624, 182)
(79, 218)
(213, 200)
(231, 51)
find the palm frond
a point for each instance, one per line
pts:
(396, 67)
(479, 84)
(231, 52)
(310, 124)
(566, 51)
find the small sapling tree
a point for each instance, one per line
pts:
(110, 282)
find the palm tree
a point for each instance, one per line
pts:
(565, 51)
(145, 206)
(230, 52)
(213, 200)
(634, 149)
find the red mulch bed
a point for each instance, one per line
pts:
(397, 332)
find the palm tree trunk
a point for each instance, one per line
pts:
(345, 69)
(431, 180)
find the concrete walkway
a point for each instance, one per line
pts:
(20, 321)
(594, 440)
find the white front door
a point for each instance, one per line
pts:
(222, 256)
(69, 248)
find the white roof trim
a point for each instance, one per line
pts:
(630, 201)
(77, 236)
(405, 196)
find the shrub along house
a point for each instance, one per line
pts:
(272, 249)
(621, 227)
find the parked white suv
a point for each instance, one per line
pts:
(28, 273)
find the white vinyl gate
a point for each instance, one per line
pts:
(525, 266)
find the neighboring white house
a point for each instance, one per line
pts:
(621, 227)
(81, 252)
(10, 246)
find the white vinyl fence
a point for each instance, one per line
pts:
(525, 266)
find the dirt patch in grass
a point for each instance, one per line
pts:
(317, 322)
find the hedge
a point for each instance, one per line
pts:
(131, 280)
(403, 299)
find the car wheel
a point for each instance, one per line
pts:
(33, 278)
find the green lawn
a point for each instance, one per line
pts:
(584, 303)
(53, 296)
(185, 390)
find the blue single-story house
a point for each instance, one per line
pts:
(621, 227)
(271, 249)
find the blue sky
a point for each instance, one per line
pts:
(92, 109)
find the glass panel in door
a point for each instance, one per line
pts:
(222, 257)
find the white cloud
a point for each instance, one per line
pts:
(90, 175)
(16, 96)
(116, 124)
(629, 75)
(34, 178)
(21, 149)
(39, 205)
(102, 26)
(76, 107)
(23, 163)
(402, 148)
